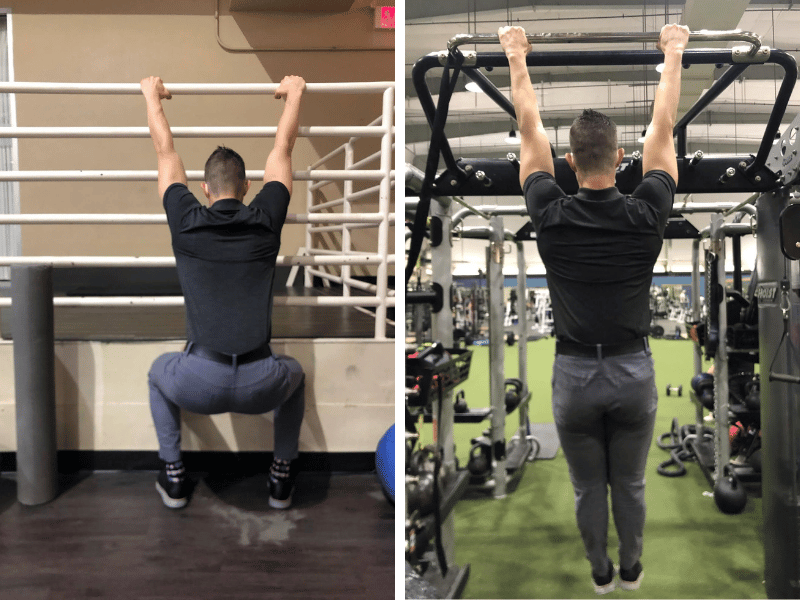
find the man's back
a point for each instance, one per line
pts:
(225, 257)
(599, 248)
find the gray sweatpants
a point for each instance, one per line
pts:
(179, 380)
(605, 413)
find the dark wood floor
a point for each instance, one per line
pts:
(108, 536)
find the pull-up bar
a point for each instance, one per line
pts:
(703, 35)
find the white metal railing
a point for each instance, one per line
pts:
(318, 221)
(315, 235)
(190, 175)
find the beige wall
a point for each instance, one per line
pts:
(102, 399)
(103, 42)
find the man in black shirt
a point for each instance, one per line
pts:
(225, 256)
(599, 248)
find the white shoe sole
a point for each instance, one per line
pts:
(631, 586)
(609, 587)
(170, 502)
(282, 504)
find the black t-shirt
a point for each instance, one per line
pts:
(225, 255)
(599, 248)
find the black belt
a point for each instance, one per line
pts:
(601, 350)
(228, 359)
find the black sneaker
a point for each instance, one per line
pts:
(604, 584)
(172, 485)
(629, 579)
(281, 483)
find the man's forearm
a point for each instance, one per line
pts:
(668, 93)
(288, 124)
(160, 132)
(529, 120)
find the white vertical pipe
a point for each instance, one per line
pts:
(384, 200)
(307, 278)
(347, 192)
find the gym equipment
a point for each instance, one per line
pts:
(679, 447)
(480, 456)
(514, 390)
(384, 462)
(460, 404)
(729, 493)
(678, 390)
(703, 386)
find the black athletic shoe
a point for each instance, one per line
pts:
(172, 485)
(281, 483)
(605, 583)
(629, 579)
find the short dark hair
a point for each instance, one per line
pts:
(225, 172)
(593, 141)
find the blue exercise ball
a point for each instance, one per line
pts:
(384, 461)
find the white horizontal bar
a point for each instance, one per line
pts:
(76, 301)
(185, 132)
(154, 219)
(169, 261)
(340, 227)
(37, 87)
(190, 175)
(361, 285)
(325, 252)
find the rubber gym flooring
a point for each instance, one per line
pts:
(107, 535)
(527, 545)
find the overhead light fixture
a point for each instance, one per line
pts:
(512, 137)
(660, 67)
(473, 87)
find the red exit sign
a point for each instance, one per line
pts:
(384, 17)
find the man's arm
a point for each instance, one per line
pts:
(170, 166)
(659, 149)
(279, 161)
(535, 154)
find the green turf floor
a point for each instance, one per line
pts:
(527, 544)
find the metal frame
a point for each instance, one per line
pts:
(500, 177)
(319, 221)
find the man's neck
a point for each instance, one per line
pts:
(598, 182)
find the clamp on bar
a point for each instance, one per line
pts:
(703, 35)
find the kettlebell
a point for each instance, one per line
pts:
(480, 456)
(460, 405)
(513, 393)
(752, 398)
(729, 493)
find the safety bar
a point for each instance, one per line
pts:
(703, 35)
(187, 89)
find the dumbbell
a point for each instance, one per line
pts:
(674, 390)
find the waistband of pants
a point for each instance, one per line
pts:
(600, 350)
(230, 359)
